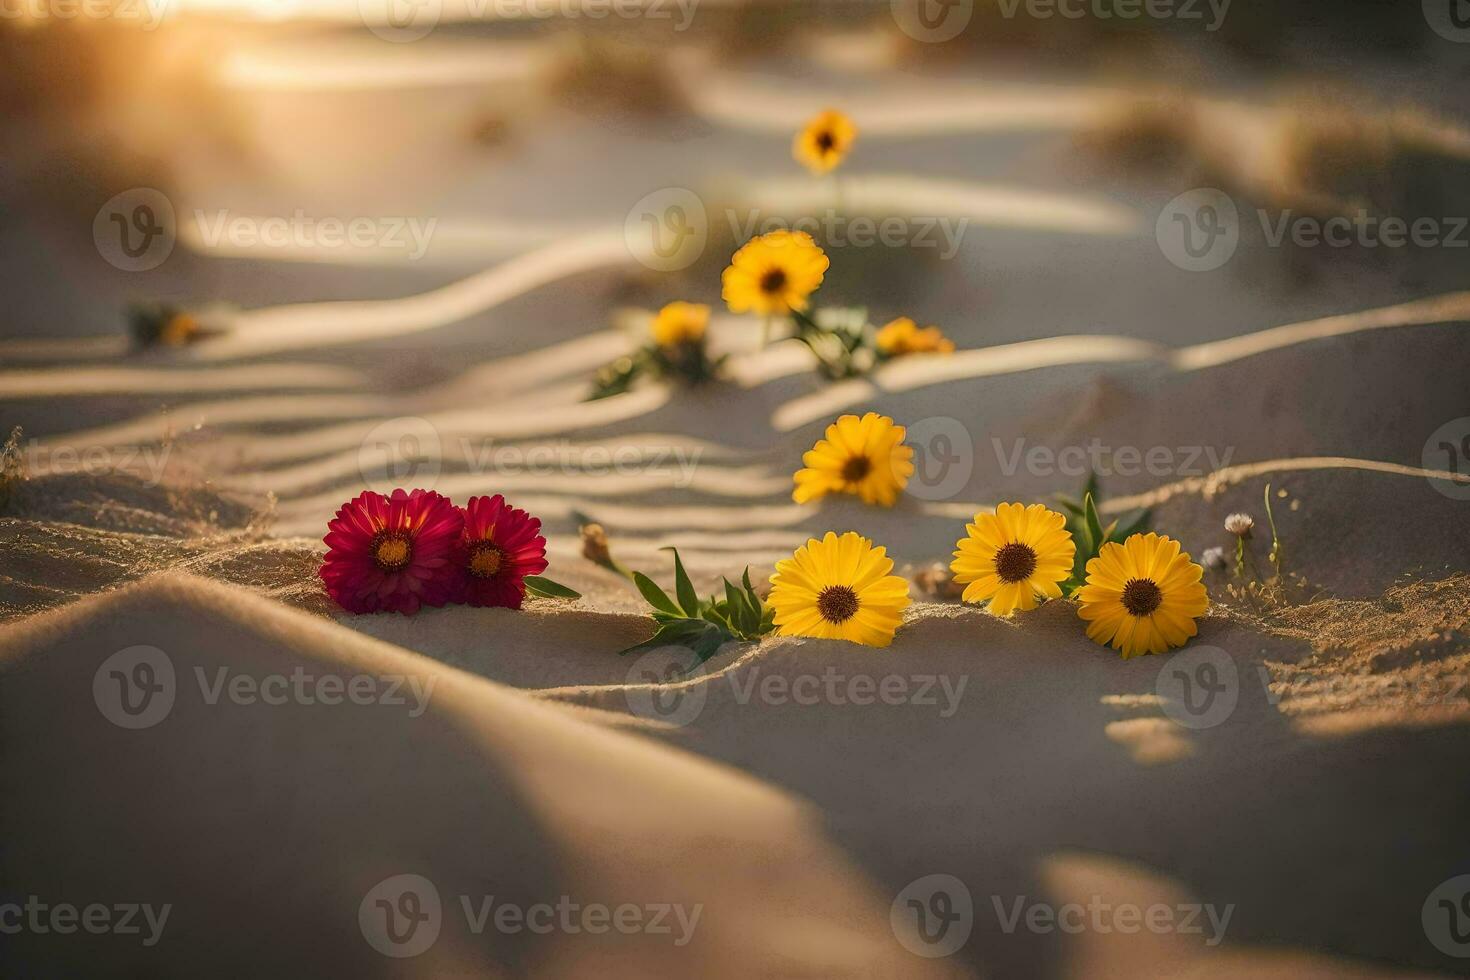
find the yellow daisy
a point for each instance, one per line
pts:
(1014, 556)
(864, 456)
(180, 329)
(902, 336)
(1142, 596)
(823, 143)
(774, 274)
(839, 589)
(680, 323)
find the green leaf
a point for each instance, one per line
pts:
(545, 588)
(688, 598)
(656, 596)
(670, 634)
(1094, 526)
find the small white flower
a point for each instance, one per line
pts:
(1240, 524)
(1213, 557)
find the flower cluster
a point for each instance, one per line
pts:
(677, 350)
(417, 548)
(1137, 592)
(774, 276)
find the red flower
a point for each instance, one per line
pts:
(501, 545)
(392, 554)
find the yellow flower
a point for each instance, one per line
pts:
(865, 456)
(821, 146)
(1013, 556)
(1142, 596)
(903, 337)
(774, 273)
(180, 329)
(839, 589)
(679, 323)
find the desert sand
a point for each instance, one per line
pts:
(1021, 759)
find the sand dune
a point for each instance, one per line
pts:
(482, 793)
(328, 324)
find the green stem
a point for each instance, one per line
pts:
(1275, 555)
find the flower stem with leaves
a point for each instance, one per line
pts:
(702, 625)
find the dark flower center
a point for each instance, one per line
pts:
(392, 550)
(856, 468)
(773, 281)
(485, 560)
(1141, 596)
(825, 141)
(1015, 562)
(837, 603)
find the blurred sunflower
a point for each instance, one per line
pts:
(1013, 557)
(839, 588)
(774, 274)
(1142, 596)
(679, 323)
(824, 142)
(902, 336)
(863, 456)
